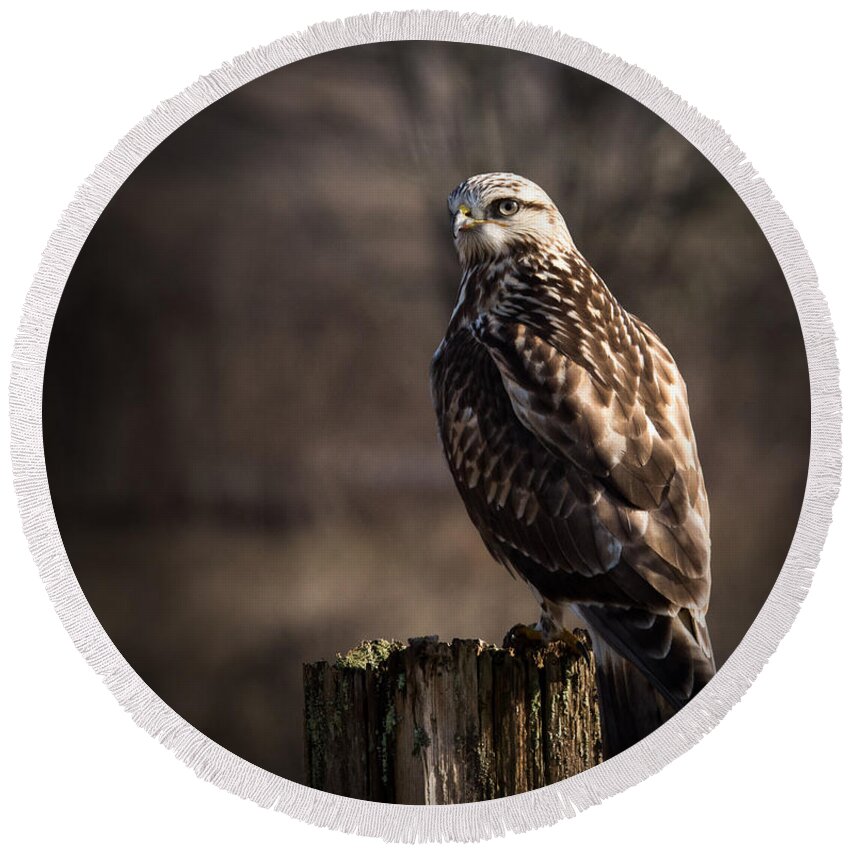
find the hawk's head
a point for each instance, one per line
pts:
(495, 214)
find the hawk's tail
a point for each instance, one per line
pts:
(649, 666)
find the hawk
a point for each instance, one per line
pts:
(565, 424)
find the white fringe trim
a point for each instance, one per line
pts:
(472, 821)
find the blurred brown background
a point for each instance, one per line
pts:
(238, 429)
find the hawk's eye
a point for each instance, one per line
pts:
(507, 207)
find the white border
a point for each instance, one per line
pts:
(409, 823)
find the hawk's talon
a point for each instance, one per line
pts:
(573, 644)
(522, 637)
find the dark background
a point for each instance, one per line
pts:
(238, 430)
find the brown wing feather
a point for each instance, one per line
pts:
(644, 475)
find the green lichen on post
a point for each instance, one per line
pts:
(387, 735)
(368, 655)
(485, 773)
(314, 723)
(535, 726)
(536, 700)
(421, 740)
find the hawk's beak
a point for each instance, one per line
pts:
(464, 221)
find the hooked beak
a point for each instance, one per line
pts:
(463, 220)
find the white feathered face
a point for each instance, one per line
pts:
(495, 214)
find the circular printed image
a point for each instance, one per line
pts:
(426, 422)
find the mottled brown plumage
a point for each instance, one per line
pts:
(565, 424)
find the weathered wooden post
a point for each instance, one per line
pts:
(432, 722)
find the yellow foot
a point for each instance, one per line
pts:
(571, 644)
(522, 638)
